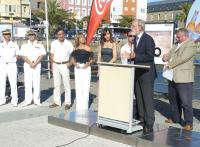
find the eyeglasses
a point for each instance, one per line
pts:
(131, 35)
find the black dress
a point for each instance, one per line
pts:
(81, 55)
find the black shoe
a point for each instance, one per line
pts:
(67, 106)
(147, 130)
(53, 105)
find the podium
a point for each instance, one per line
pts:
(116, 96)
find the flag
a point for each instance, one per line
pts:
(98, 11)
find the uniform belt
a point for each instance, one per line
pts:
(64, 62)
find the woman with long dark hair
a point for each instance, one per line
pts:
(107, 49)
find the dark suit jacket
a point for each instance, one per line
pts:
(145, 52)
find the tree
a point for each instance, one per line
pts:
(126, 20)
(56, 16)
(185, 8)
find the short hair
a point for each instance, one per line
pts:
(59, 29)
(184, 31)
(141, 23)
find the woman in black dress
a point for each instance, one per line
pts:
(81, 58)
(107, 49)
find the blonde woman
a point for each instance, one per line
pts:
(81, 58)
(107, 49)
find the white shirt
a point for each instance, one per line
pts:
(8, 52)
(61, 50)
(139, 37)
(128, 49)
(32, 50)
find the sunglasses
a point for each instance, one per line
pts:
(131, 35)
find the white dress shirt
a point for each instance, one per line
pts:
(61, 50)
(139, 37)
(8, 52)
(125, 48)
(32, 50)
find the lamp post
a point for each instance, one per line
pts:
(21, 10)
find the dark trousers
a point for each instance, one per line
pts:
(180, 96)
(144, 99)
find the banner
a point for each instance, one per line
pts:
(98, 11)
(193, 20)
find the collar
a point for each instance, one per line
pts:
(140, 34)
(4, 42)
(62, 42)
(34, 42)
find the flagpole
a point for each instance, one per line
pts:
(47, 37)
(30, 15)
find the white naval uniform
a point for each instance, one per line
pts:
(8, 53)
(61, 52)
(32, 75)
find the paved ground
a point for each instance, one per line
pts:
(28, 126)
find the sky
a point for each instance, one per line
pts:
(152, 0)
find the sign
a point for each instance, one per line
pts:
(193, 20)
(163, 35)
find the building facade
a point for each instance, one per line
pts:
(122, 7)
(81, 8)
(12, 11)
(166, 11)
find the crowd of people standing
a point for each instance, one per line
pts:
(140, 50)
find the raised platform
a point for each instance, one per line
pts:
(163, 136)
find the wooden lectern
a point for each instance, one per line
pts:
(116, 95)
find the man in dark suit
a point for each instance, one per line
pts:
(144, 78)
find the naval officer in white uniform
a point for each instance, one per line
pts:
(9, 52)
(32, 53)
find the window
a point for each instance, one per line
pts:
(83, 13)
(10, 8)
(89, 11)
(132, 9)
(125, 8)
(89, 2)
(14, 8)
(24, 9)
(70, 1)
(77, 2)
(38, 5)
(6, 8)
(84, 2)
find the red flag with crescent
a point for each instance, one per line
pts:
(98, 11)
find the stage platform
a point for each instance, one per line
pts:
(162, 136)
